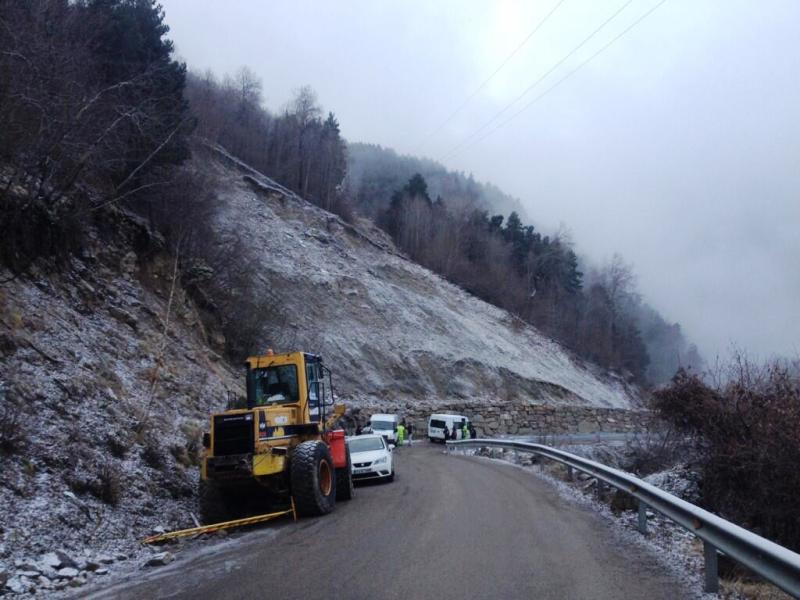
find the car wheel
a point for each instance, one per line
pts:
(391, 476)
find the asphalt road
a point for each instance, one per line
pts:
(448, 527)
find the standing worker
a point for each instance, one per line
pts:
(401, 434)
(410, 433)
(472, 433)
(464, 431)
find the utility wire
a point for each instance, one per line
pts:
(534, 84)
(488, 79)
(572, 72)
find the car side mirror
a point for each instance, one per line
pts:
(391, 447)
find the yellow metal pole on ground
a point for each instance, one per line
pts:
(153, 539)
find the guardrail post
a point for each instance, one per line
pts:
(570, 475)
(712, 568)
(600, 488)
(642, 518)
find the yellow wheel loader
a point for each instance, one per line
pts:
(283, 444)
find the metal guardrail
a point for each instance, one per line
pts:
(774, 563)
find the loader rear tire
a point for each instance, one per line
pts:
(214, 504)
(344, 480)
(313, 479)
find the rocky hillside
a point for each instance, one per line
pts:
(108, 372)
(107, 380)
(390, 329)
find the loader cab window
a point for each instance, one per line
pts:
(314, 390)
(313, 379)
(274, 385)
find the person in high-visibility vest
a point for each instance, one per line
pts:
(464, 431)
(401, 433)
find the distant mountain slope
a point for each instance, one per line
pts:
(390, 328)
(375, 172)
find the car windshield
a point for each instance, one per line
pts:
(365, 444)
(383, 425)
(276, 385)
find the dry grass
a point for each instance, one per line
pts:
(750, 590)
(108, 487)
(13, 435)
(152, 453)
(106, 377)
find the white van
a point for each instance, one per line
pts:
(385, 425)
(436, 425)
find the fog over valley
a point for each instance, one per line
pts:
(675, 146)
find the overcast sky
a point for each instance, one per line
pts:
(678, 146)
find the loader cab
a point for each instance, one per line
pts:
(296, 378)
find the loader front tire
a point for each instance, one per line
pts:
(313, 479)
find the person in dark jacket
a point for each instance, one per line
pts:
(472, 433)
(446, 433)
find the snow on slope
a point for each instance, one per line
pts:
(391, 329)
(103, 455)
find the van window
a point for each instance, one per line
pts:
(437, 423)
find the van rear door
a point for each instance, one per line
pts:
(436, 428)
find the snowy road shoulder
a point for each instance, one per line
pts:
(214, 553)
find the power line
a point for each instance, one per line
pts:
(495, 72)
(572, 72)
(535, 83)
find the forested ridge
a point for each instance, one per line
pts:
(448, 223)
(98, 114)
(374, 173)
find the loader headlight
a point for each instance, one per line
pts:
(380, 461)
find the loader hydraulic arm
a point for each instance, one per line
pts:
(336, 414)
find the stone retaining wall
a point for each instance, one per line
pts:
(517, 418)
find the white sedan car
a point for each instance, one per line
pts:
(371, 457)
